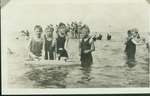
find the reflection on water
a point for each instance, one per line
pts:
(131, 63)
(48, 77)
(85, 77)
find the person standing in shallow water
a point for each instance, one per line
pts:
(35, 45)
(86, 47)
(48, 43)
(61, 42)
(131, 42)
(127, 42)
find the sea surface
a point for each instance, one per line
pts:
(109, 68)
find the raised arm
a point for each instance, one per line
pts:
(135, 41)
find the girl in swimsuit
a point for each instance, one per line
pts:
(35, 45)
(86, 47)
(48, 43)
(61, 42)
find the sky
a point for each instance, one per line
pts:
(121, 15)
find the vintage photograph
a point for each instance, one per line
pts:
(61, 44)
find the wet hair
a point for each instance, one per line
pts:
(129, 31)
(49, 27)
(86, 27)
(61, 24)
(38, 27)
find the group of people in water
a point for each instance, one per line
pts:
(72, 30)
(45, 45)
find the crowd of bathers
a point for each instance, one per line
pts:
(45, 45)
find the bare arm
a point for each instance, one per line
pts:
(29, 47)
(125, 41)
(43, 48)
(136, 42)
(79, 47)
(66, 43)
(92, 47)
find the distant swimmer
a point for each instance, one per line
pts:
(108, 36)
(9, 51)
(99, 37)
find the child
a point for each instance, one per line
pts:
(48, 40)
(108, 36)
(86, 47)
(131, 43)
(35, 45)
(61, 42)
(127, 39)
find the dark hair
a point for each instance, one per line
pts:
(129, 31)
(61, 24)
(38, 27)
(85, 26)
(49, 27)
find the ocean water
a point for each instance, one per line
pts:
(109, 68)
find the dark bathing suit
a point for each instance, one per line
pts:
(48, 49)
(86, 58)
(130, 50)
(36, 47)
(60, 44)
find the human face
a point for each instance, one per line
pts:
(49, 32)
(38, 32)
(134, 34)
(61, 31)
(84, 33)
(129, 34)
